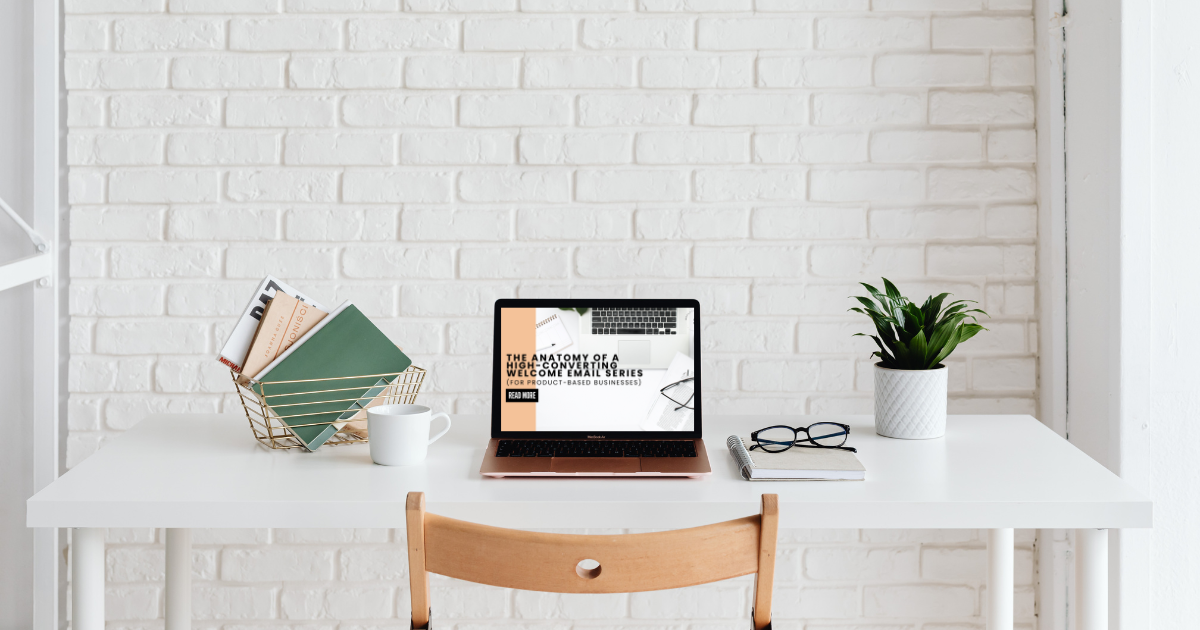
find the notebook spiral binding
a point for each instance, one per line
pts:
(266, 412)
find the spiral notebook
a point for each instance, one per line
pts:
(795, 464)
(552, 335)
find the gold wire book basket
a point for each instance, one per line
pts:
(287, 405)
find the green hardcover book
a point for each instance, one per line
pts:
(344, 346)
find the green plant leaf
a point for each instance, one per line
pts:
(897, 313)
(900, 350)
(938, 343)
(969, 330)
(935, 303)
(918, 348)
(892, 291)
(883, 352)
(951, 344)
(961, 302)
(873, 291)
(916, 318)
(868, 304)
(950, 310)
(941, 335)
(931, 310)
(881, 322)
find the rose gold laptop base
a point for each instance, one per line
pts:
(695, 467)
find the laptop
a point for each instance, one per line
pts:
(596, 388)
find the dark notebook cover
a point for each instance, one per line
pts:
(348, 345)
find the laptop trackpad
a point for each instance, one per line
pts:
(633, 351)
(595, 464)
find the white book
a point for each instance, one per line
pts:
(237, 346)
(796, 463)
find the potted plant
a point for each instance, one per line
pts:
(910, 379)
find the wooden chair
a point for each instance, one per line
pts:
(554, 563)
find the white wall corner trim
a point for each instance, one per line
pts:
(1108, 143)
(49, 363)
(1130, 550)
(1053, 550)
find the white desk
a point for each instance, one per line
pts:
(188, 471)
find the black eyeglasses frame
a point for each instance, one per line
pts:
(681, 405)
(796, 438)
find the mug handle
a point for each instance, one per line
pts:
(435, 416)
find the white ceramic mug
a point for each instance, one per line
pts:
(399, 434)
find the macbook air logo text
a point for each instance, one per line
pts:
(595, 437)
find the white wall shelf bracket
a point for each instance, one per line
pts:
(37, 267)
(28, 269)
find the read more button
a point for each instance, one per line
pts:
(521, 395)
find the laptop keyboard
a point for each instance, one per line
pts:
(633, 321)
(593, 448)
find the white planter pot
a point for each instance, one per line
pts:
(910, 404)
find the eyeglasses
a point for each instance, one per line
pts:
(780, 438)
(680, 389)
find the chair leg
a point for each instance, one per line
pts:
(418, 578)
(764, 581)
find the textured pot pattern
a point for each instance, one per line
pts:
(910, 404)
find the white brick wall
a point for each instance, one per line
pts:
(425, 157)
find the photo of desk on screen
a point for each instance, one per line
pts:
(597, 369)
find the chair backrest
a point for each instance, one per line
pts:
(628, 563)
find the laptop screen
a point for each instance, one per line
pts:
(602, 367)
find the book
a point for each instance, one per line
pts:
(284, 321)
(345, 346)
(356, 416)
(814, 464)
(237, 346)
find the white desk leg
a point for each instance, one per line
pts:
(1000, 579)
(87, 579)
(1091, 579)
(179, 579)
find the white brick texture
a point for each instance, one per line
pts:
(426, 157)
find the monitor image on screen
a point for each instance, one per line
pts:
(602, 369)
